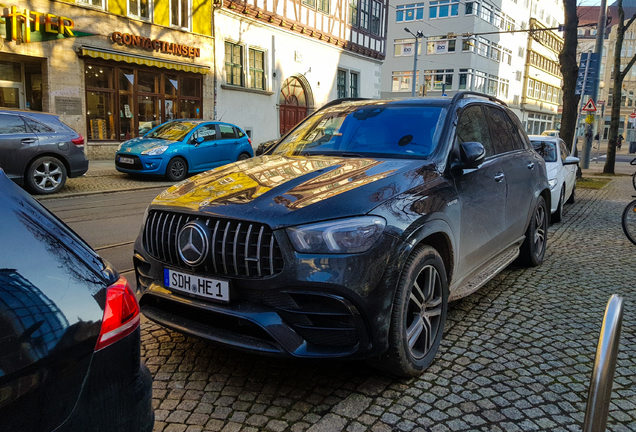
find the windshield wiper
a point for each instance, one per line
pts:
(345, 154)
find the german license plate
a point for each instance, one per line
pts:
(126, 160)
(213, 289)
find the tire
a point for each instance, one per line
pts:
(418, 315)
(533, 248)
(46, 175)
(557, 216)
(571, 199)
(634, 180)
(242, 157)
(177, 169)
(628, 221)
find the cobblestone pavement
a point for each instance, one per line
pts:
(516, 356)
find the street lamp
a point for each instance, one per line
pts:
(417, 36)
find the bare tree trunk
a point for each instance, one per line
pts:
(569, 70)
(617, 93)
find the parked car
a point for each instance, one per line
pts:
(264, 146)
(550, 133)
(180, 147)
(39, 151)
(351, 236)
(69, 330)
(561, 169)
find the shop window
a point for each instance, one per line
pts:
(125, 102)
(353, 12)
(10, 71)
(403, 81)
(341, 84)
(139, 9)
(353, 86)
(405, 47)
(257, 69)
(233, 64)
(180, 13)
(375, 18)
(437, 80)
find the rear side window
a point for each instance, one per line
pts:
(472, 127)
(36, 126)
(12, 124)
(227, 132)
(501, 131)
(240, 133)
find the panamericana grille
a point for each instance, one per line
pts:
(238, 248)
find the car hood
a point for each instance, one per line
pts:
(137, 145)
(283, 191)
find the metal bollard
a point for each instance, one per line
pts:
(600, 392)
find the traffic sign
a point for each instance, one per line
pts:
(589, 106)
(632, 116)
(592, 73)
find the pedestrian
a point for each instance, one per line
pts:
(597, 140)
(619, 143)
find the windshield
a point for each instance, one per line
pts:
(546, 149)
(370, 130)
(171, 131)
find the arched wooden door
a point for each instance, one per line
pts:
(293, 104)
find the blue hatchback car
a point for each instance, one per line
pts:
(179, 147)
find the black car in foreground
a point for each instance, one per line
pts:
(39, 151)
(69, 330)
(350, 236)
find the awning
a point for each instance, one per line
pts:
(108, 54)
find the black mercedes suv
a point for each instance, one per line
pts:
(350, 236)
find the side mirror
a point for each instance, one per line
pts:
(571, 160)
(197, 141)
(472, 154)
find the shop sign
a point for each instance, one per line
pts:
(154, 45)
(30, 26)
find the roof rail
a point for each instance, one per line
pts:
(339, 101)
(463, 94)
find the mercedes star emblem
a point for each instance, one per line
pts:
(193, 243)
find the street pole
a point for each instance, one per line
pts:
(415, 66)
(598, 49)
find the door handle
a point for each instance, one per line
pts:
(28, 141)
(499, 177)
(531, 165)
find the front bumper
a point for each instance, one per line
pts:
(318, 306)
(152, 165)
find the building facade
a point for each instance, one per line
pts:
(482, 46)
(278, 61)
(111, 69)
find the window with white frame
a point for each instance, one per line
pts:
(504, 86)
(139, 9)
(483, 46)
(544, 88)
(486, 12)
(530, 90)
(549, 95)
(310, 3)
(471, 8)
(438, 80)
(234, 64)
(440, 46)
(365, 13)
(580, 32)
(376, 15)
(405, 48)
(518, 76)
(410, 12)
(443, 9)
(403, 81)
(465, 79)
(180, 13)
(537, 90)
(480, 81)
(468, 44)
(257, 69)
(94, 3)
(593, 32)
(492, 85)
(521, 52)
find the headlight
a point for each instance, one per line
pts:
(553, 183)
(155, 150)
(352, 235)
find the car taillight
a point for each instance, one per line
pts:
(121, 314)
(79, 141)
(249, 141)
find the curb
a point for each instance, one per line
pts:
(106, 191)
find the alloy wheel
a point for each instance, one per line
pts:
(177, 169)
(47, 176)
(539, 230)
(424, 312)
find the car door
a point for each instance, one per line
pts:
(206, 154)
(18, 145)
(228, 143)
(569, 170)
(519, 165)
(481, 193)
